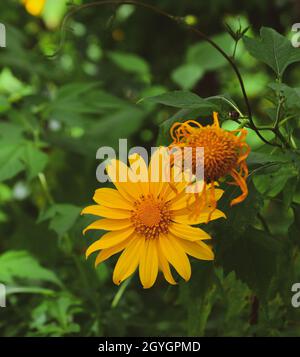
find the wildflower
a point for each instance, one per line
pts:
(148, 222)
(34, 7)
(225, 153)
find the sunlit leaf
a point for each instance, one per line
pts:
(20, 265)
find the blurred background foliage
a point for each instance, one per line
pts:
(55, 111)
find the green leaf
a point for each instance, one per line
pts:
(187, 75)
(62, 217)
(292, 95)
(277, 217)
(11, 290)
(198, 298)
(75, 103)
(273, 49)
(55, 316)
(130, 63)
(182, 99)
(258, 158)
(205, 55)
(10, 133)
(253, 257)
(244, 213)
(53, 12)
(20, 265)
(12, 86)
(34, 159)
(4, 104)
(272, 180)
(10, 160)
(289, 192)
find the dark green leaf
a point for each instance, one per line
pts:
(272, 180)
(182, 99)
(253, 257)
(273, 49)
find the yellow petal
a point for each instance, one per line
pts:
(148, 268)
(106, 212)
(188, 233)
(118, 172)
(165, 266)
(159, 168)
(198, 249)
(182, 201)
(176, 186)
(128, 261)
(140, 170)
(185, 199)
(109, 239)
(109, 224)
(218, 193)
(187, 217)
(109, 197)
(34, 7)
(107, 253)
(175, 255)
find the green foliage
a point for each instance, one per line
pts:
(116, 75)
(130, 63)
(253, 257)
(54, 317)
(182, 99)
(62, 217)
(10, 161)
(206, 56)
(187, 75)
(34, 159)
(21, 266)
(273, 49)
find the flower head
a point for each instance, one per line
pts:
(225, 154)
(34, 7)
(149, 222)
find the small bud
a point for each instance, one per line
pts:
(190, 20)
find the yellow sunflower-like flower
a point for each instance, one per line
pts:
(34, 7)
(149, 222)
(225, 153)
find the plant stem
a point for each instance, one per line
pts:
(45, 187)
(120, 293)
(179, 21)
(229, 102)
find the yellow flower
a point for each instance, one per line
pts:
(225, 153)
(149, 222)
(34, 7)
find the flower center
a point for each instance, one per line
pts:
(150, 216)
(220, 151)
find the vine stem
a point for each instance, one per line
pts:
(177, 20)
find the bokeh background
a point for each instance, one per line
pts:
(56, 111)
